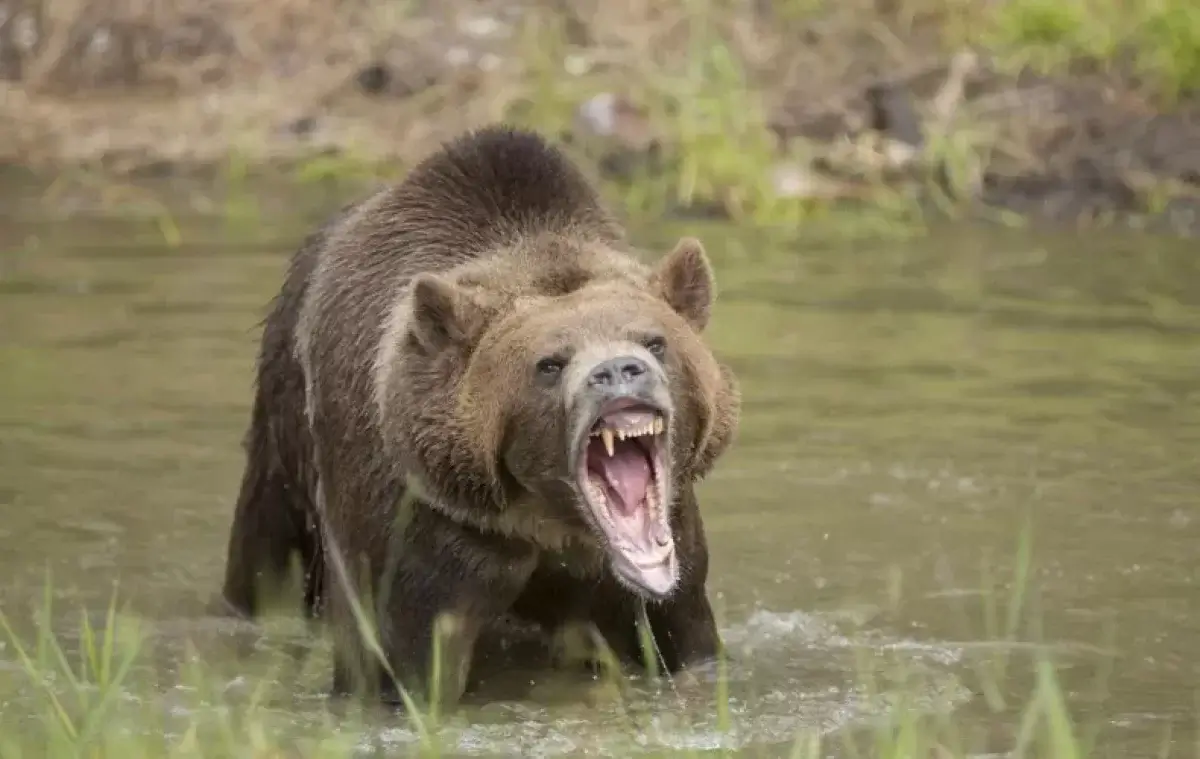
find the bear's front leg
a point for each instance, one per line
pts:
(684, 629)
(444, 576)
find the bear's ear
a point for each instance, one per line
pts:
(685, 281)
(443, 315)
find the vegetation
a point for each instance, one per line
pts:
(1159, 40)
(714, 82)
(108, 697)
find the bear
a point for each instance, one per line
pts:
(474, 401)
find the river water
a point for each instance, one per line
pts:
(909, 408)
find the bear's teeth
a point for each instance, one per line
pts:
(607, 435)
(610, 431)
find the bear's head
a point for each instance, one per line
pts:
(576, 378)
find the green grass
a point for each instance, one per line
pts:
(107, 695)
(1161, 37)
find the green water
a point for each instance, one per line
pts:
(906, 409)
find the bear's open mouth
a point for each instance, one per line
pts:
(621, 478)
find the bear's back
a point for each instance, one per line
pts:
(480, 193)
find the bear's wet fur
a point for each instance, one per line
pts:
(414, 426)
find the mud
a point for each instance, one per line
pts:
(187, 84)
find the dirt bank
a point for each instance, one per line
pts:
(734, 105)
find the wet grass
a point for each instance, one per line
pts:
(105, 696)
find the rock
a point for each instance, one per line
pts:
(398, 76)
(611, 116)
(795, 181)
(373, 78)
(893, 114)
(619, 133)
(303, 126)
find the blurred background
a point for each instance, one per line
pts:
(955, 245)
(1063, 107)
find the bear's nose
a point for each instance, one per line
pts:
(617, 371)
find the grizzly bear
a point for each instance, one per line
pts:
(473, 401)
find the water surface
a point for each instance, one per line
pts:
(906, 408)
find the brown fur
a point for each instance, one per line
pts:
(396, 361)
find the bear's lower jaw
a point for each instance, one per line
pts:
(647, 576)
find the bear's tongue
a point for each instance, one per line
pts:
(627, 472)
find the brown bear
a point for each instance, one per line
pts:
(474, 401)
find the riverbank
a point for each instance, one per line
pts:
(1080, 110)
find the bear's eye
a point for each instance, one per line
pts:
(657, 346)
(551, 366)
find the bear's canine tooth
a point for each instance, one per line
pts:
(607, 434)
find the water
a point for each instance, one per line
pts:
(907, 408)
